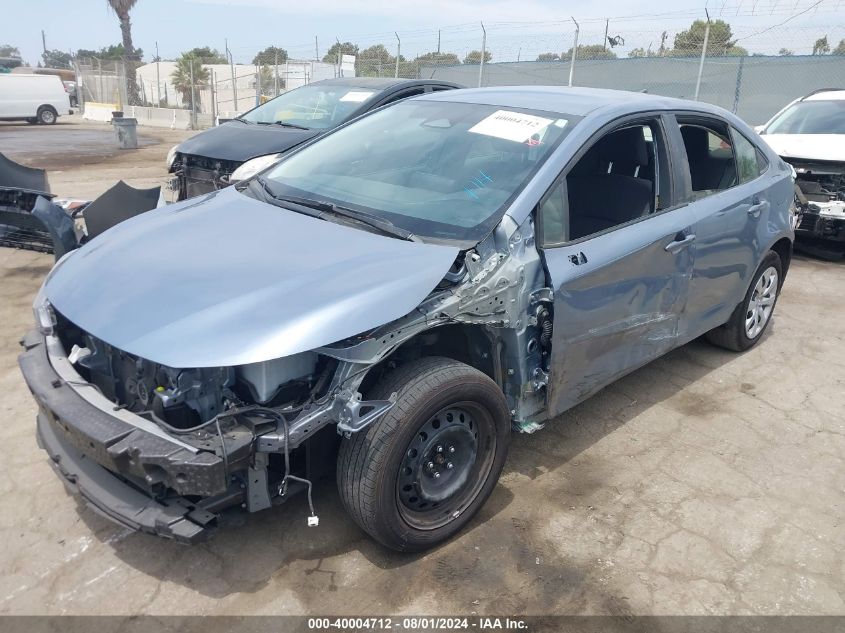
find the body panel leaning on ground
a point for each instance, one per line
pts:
(411, 286)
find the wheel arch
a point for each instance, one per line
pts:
(473, 345)
(783, 248)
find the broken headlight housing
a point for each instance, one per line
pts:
(252, 167)
(45, 316)
(171, 157)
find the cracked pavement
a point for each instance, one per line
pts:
(707, 482)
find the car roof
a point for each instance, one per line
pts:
(383, 83)
(827, 94)
(574, 101)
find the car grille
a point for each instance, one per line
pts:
(204, 175)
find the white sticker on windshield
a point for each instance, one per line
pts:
(512, 126)
(356, 96)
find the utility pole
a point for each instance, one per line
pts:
(606, 25)
(483, 52)
(193, 99)
(703, 54)
(276, 75)
(234, 83)
(316, 49)
(398, 51)
(339, 56)
(43, 41)
(574, 52)
(438, 41)
(158, 79)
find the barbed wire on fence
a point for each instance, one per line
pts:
(748, 56)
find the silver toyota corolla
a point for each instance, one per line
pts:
(400, 295)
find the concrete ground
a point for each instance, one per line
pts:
(707, 482)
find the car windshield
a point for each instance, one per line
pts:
(318, 106)
(437, 169)
(811, 117)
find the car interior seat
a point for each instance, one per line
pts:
(708, 172)
(610, 185)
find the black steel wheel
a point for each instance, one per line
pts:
(417, 475)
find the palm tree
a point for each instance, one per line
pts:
(121, 9)
(181, 76)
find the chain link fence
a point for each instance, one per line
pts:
(754, 67)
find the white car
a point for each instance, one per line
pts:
(32, 98)
(809, 134)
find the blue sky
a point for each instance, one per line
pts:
(520, 28)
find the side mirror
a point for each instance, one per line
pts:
(759, 128)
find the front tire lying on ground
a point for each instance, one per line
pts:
(750, 319)
(418, 474)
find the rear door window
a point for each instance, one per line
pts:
(747, 165)
(710, 154)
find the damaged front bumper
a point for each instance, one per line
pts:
(112, 464)
(133, 472)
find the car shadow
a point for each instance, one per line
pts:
(248, 552)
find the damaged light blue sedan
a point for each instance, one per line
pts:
(398, 296)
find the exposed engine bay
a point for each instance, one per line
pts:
(183, 399)
(821, 196)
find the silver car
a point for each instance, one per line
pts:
(402, 293)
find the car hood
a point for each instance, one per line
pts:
(227, 280)
(810, 146)
(242, 141)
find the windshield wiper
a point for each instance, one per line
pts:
(291, 125)
(323, 206)
(240, 120)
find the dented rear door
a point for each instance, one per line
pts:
(619, 298)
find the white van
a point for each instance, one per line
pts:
(32, 98)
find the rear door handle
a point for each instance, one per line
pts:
(679, 244)
(757, 207)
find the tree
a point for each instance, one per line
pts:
(785, 52)
(7, 50)
(688, 43)
(840, 48)
(270, 55)
(437, 59)
(374, 61)
(548, 57)
(821, 47)
(336, 50)
(112, 52)
(474, 57)
(56, 59)
(207, 55)
(187, 64)
(642, 52)
(267, 81)
(121, 9)
(588, 51)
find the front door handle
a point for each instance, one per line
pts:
(678, 245)
(757, 207)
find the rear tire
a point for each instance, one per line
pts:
(753, 315)
(417, 475)
(47, 115)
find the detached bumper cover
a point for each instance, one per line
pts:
(98, 454)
